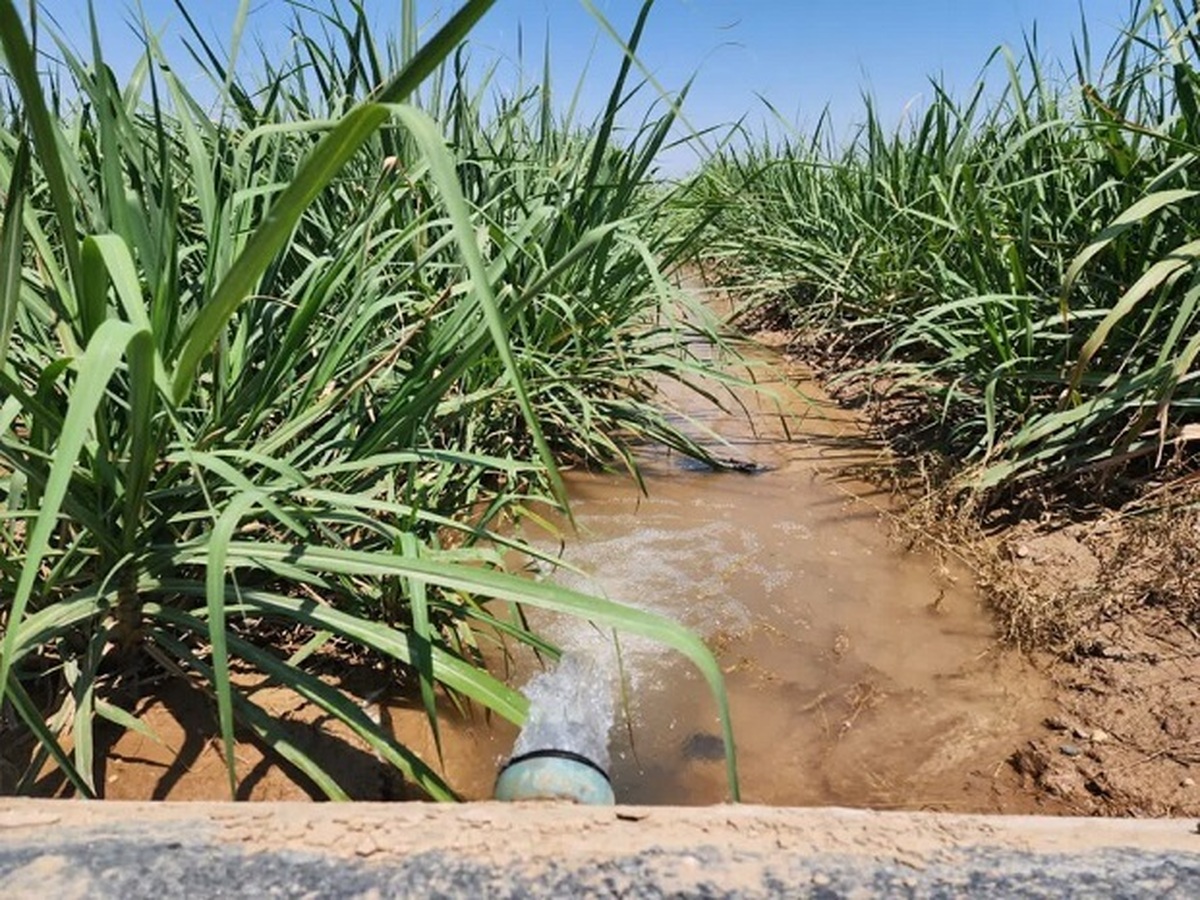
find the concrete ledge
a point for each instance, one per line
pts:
(128, 850)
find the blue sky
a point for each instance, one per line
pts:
(801, 55)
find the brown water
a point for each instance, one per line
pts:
(858, 674)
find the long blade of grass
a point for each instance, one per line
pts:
(423, 641)
(12, 246)
(258, 720)
(23, 70)
(328, 699)
(455, 673)
(218, 635)
(1181, 258)
(124, 719)
(442, 168)
(1130, 218)
(32, 717)
(95, 368)
(507, 587)
(326, 160)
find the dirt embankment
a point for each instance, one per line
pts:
(1104, 598)
(1114, 601)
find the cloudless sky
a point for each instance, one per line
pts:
(800, 55)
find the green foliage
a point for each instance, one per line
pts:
(289, 364)
(1026, 259)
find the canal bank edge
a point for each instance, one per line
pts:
(128, 850)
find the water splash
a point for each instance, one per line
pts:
(571, 708)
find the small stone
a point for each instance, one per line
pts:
(1022, 551)
(1188, 783)
(821, 880)
(1070, 750)
(1080, 732)
(1100, 736)
(702, 745)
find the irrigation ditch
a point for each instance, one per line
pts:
(863, 665)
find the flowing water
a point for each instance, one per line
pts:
(859, 674)
(570, 708)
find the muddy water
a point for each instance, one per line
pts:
(858, 674)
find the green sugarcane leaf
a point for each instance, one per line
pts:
(12, 246)
(95, 369)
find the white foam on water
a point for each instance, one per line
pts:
(773, 580)
(681, 573)
(795, 529)
(684, 570)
